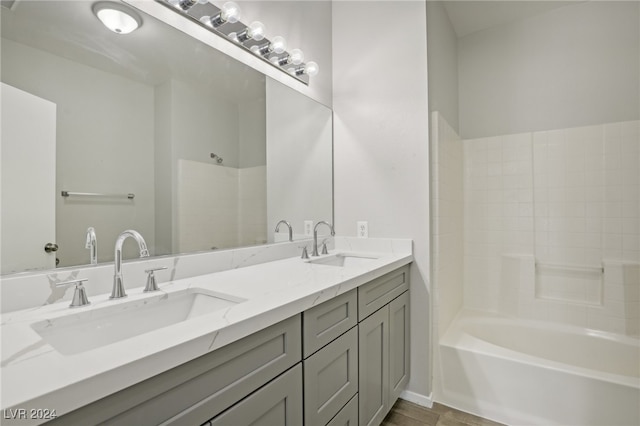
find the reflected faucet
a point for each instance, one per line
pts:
(315, 236)
(92, 244)
(288, 225)
(118, 287)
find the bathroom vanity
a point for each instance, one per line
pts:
(293, 341)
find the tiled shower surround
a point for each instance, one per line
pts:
(551, 226)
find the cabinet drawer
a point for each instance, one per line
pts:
(377, 293)
(330, 379)
(243, 368)
(348, 416)
(278, 403)
(198, 390)
(325, 322)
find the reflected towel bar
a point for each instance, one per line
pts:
(579, 268)
(130, 196)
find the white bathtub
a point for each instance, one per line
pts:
(530, 373)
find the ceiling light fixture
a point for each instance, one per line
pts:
(225, 22)
(117, 17)
(230, 13)
(294, 57)
(186, 4)
(255, 31)
(277, 45)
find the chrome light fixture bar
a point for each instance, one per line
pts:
(226, 23)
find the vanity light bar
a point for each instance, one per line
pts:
(225, 23)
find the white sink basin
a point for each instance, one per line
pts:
(343, 260)
(93, 328)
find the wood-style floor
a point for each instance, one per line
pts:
(405, 413)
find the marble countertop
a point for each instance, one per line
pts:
(35, 375)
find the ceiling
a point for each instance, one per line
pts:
(470, 16)
(152, 54)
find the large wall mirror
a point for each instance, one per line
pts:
(153, 131)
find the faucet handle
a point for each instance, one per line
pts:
(324, 247)
(152, 285)
(79, 294)
(305, 254)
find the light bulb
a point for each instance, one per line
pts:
(207, 20)
(256, 31)
(278, 44)
(311, 68)
(296, 56)
(230, 12)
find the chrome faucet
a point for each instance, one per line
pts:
(118, 287)
(92, 244)
(315, 236)
(288, 225)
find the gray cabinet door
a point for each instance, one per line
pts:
(277, 404)
(373, 349)
(398, 346)
(325, 322)
(348, 416)
(330, 379)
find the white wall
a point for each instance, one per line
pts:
(93, 154)
(573, 66)
(202, 124)
(442, 45)
(381, 151)
(164, 181)
(447, 212)
(252, 150)
(448, 222)
(299, 180)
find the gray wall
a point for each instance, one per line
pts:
(573, 66)
(442, 48)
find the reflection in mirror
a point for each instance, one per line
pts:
(154, 113)
(299, 142)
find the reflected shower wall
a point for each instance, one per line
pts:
(220, 207)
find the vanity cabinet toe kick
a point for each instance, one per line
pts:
(343, 362)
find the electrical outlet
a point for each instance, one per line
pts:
(308, 228)
(363, 229)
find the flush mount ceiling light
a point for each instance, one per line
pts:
(225, 22)
(117, 17)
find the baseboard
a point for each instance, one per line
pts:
(416, 398)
